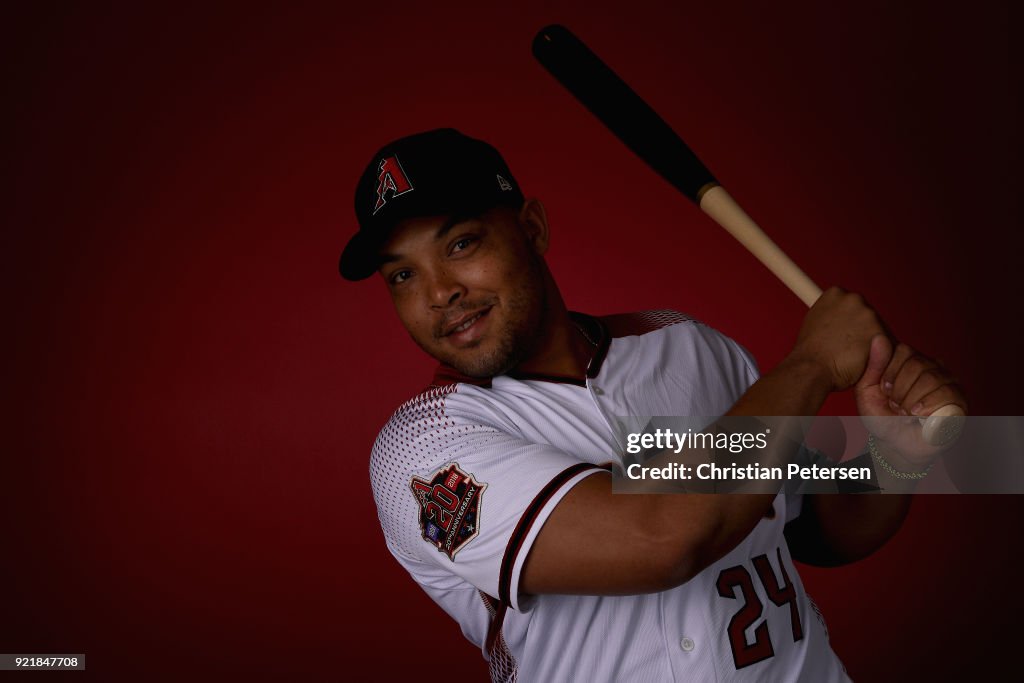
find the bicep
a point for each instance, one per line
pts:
(470, 499)
(597, 543)
(512, 517)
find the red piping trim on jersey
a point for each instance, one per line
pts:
(494, 628)
(490, 603)
(515, 542)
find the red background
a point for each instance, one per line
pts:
(193, 391)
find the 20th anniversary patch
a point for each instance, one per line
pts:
(449, 508)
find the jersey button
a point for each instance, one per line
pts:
(686, 643)
(598, 390)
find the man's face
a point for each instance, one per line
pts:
(470, 293)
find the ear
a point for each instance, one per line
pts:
(534, 221)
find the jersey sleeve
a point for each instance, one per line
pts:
(466, 492)
(715, 364)
(745, 368)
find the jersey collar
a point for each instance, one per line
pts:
(592, 328)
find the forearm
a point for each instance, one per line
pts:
(835, 346)
(836, 529)
(668, 539)
(664, 540)
(794, 387)
(721, 522)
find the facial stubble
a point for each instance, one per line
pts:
(525, 312)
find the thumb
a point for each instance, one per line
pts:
(878, 360)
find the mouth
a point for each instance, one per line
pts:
(468, 327)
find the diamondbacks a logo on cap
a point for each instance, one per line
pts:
(504, 184)
(391, 178)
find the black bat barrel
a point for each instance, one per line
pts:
(616, 105)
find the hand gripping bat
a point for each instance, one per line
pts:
(633, 121)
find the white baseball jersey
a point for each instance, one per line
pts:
(465, 475)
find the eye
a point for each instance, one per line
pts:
(400, 276)
(463, 243)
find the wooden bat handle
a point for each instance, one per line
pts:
(640, 128)
(720, 205)
(941, 427)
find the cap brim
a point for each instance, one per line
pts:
(360, 258)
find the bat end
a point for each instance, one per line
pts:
(551, 34)
(944, 426)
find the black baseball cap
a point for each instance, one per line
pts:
(435, 173)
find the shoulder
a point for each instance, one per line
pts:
(419, 428)
(438, 414)
(644, 322)
(680, 332)
(436, 426)
(427, 411)
(421, 438)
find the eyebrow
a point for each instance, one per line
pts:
(445, 228)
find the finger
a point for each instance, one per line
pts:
(899, 356)
(912, 369)
(947, 394)
(878, 360)
(927, 382)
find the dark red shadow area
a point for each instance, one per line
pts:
(192, 392)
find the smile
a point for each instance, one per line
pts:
(465, 325)
(468, 329)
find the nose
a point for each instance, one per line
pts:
(445, 290)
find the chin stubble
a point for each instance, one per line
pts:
(519, 340)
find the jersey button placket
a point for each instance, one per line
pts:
(595, 391)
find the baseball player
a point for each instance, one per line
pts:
(493, 486)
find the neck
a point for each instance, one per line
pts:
(563, 350)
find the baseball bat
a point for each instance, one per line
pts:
(641, 129)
